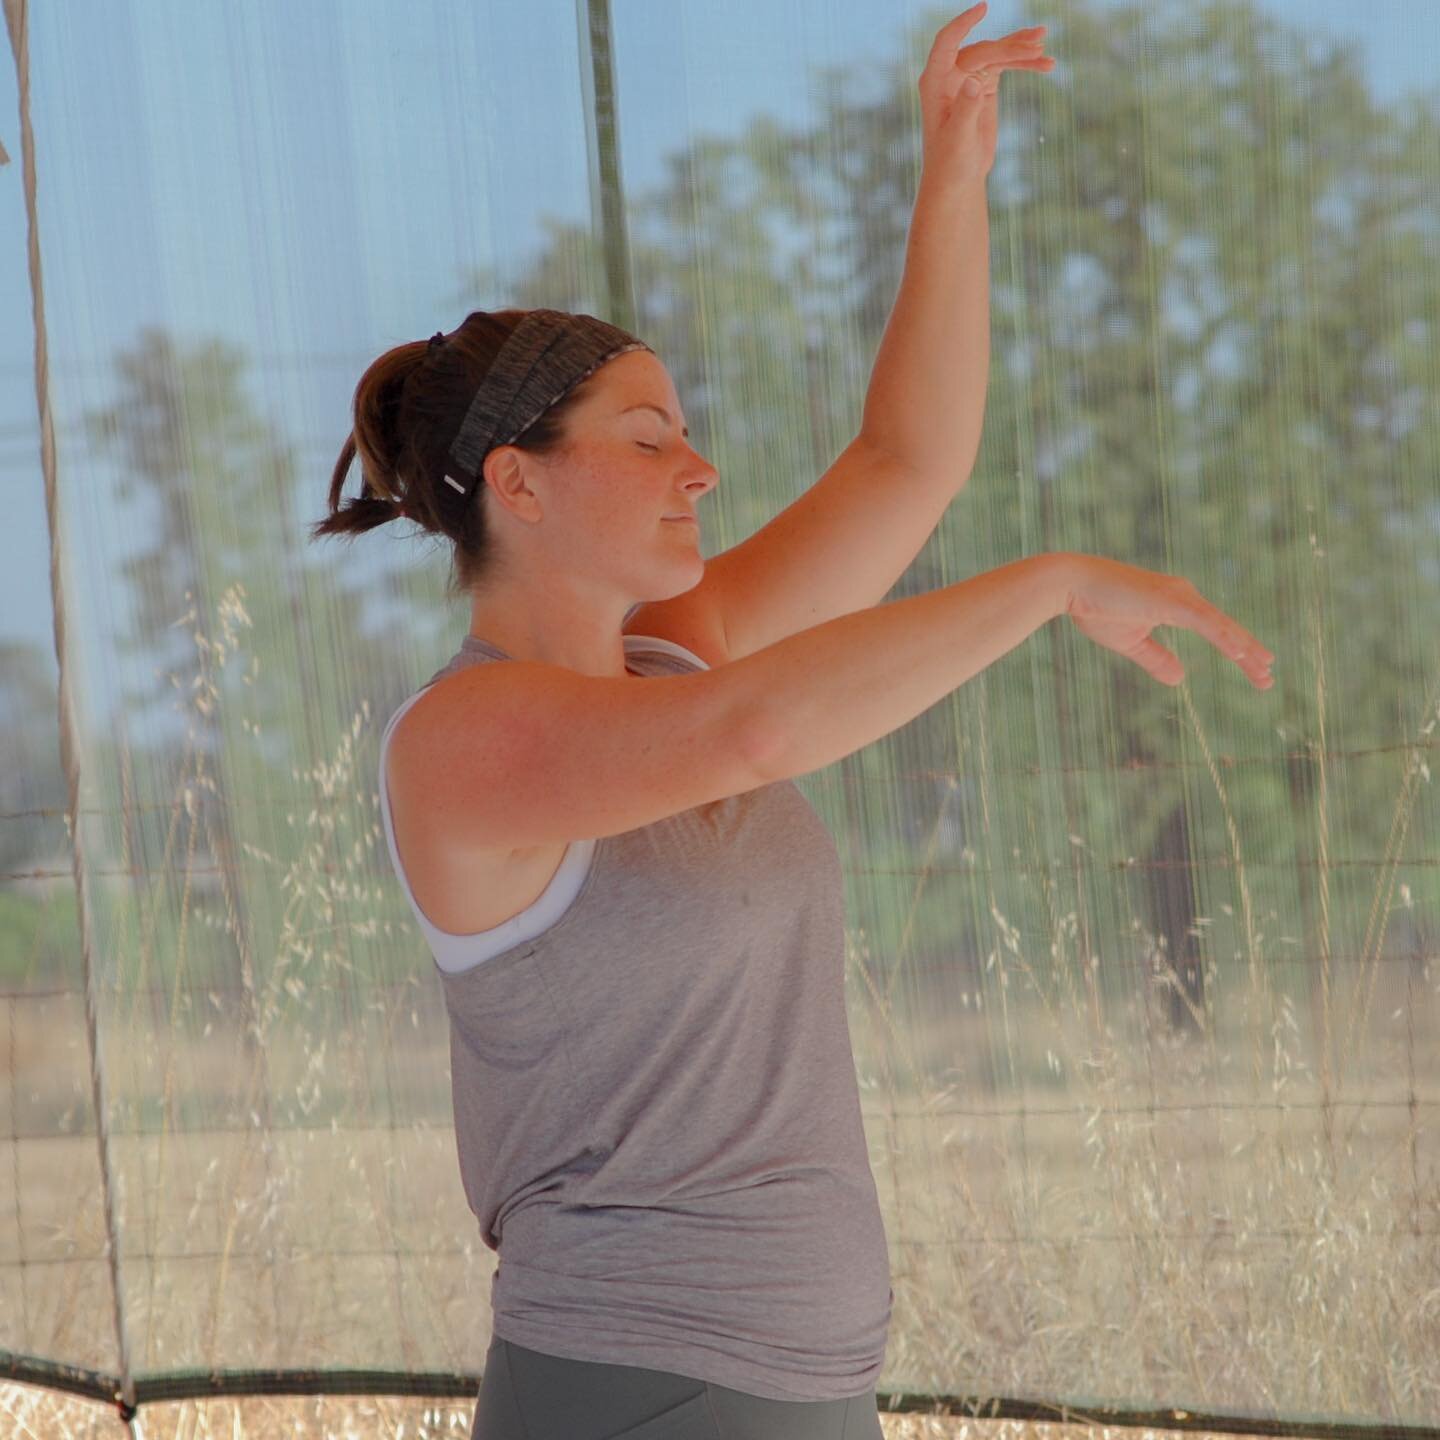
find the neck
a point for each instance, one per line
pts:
(556, 631)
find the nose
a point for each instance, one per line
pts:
(700, 475)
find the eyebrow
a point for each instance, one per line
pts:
(663, 414)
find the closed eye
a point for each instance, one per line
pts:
(644, 446)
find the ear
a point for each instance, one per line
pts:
(507, 470)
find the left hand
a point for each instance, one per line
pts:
(959, 129)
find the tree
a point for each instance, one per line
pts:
(1206, 361)
(228, 611)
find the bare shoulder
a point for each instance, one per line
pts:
(417, 771)
(462, 888)
(414, 736)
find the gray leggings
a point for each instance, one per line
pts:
(529, 1396)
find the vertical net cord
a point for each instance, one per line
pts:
(17, 20)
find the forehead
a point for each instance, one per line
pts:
(637, 375)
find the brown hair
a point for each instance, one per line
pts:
(408, 408)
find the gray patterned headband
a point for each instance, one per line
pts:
(547, 355)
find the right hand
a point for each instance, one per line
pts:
(1118, 605)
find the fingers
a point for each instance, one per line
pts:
(1006, 54)
(951, 37)
(953, 31)
(1045, 63)
(950, 58)
(998, 52)
(1232, 640)
(1239, 645)
(988, 59)
(1165, 665)
(1152, 657)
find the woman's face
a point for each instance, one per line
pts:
(604, 498)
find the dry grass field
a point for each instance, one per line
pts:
(30, 1414)
(1229, 1259)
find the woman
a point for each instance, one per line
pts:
(636, 916)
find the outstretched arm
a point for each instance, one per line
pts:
(844, 543)
(926, 401)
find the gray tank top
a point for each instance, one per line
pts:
(656, 1106)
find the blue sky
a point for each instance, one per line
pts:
(312, 181)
